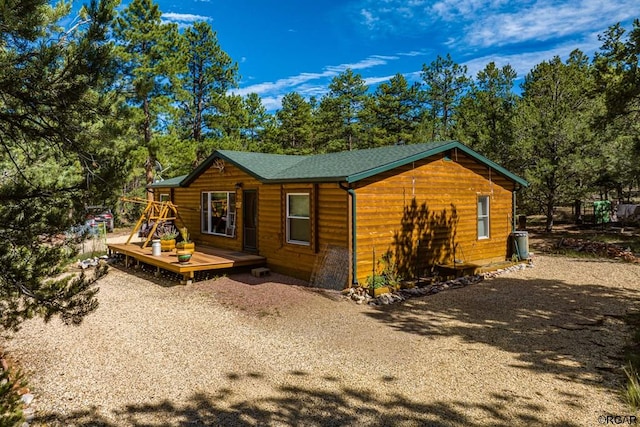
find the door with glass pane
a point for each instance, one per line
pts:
(250, 220)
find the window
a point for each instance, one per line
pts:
(164, 197)
(298, 221)
(483, 217)
(219, 213)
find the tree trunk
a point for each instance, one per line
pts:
(151, 158)
(577, 207)
(549, 214)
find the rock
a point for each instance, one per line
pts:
(29, 414)
(27, 398)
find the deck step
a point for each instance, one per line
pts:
(259, 272)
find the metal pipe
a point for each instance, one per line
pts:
(513, 203)
(354, 234)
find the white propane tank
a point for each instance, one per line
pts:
(156, 248)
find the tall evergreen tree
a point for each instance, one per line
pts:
(295, 124)
(229, 119)
(339, 112)
(257, 118)
(393, 113)
(445, 83)
(55, 153)
(484, 118)
(617, 74)
(553, 125)
(147, 52)
(203, 85)
(617, 70)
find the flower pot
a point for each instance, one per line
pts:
(168, 245)
(186, 247)
(184, 257)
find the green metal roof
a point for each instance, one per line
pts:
(170, 182)
(345, 166)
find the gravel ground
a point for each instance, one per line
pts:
(540, 346)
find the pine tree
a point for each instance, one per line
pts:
(339, 113)
(56, 153)
(553, 124)
(201, 88)
(295, 124)
(617, 75)
(147, 50)
(394, 112)
(484, 118)
(445, 83)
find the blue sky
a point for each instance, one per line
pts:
(286, 45)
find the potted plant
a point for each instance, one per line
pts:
(377, 285)
(168, 236)
(184, 257)
(186, 245)
(388, 280)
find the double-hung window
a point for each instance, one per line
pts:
(483, 217)
(219, 213)
(298, 219)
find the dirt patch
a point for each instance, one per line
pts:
(255, 296)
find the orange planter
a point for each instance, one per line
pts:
(167, 245)
(186, 247)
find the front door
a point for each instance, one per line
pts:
(250, 220)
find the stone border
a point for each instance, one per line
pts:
(361, 296)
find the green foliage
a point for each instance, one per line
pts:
(484, 118)
(295, 124)
(58, 160)
(148, 62)
(386, 273)
(376, 282)
(553, 123)
(11, 380)
(446, 82)
(631, 392)
(617, 78)
(167, 232)
(393, 113)
(200, 88)
(338, 115)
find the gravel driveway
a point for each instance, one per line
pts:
(540, 346)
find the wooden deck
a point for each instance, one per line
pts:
(204, 258)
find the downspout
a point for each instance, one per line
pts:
(354, 252)
(513, 205)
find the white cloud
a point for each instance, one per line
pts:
(412, 53)
(368, 19)
(523, 63)
(370, 81)
(272, 103)
(183, 17)
(546, 20)
(298, 83)
(486, 23)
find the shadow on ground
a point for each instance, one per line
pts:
(574, 332)
(334, 405)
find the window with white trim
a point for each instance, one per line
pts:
(219, 213)
(298, 219)
(164, 197)
(483, 217)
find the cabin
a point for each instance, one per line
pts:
(418, 206)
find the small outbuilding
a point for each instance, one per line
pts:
(416, 205)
